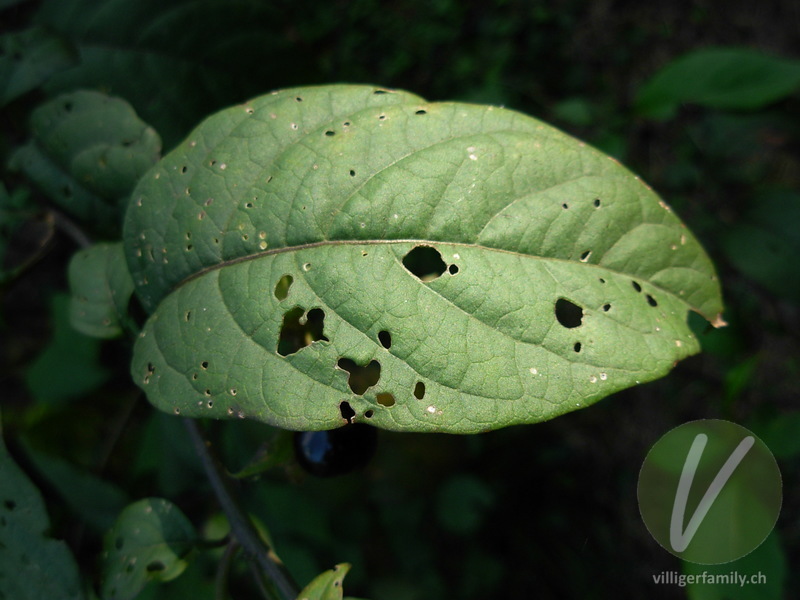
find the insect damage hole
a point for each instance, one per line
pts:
(385, 399)
(651, 301)
(301, 329)
(360, 378)
(419, 390)
(424, 262)
(346, 411)
(385, 338)
(282, 287)
(568, 314)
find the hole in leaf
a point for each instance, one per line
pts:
(155, 566)
(330, 133)
(585, 255)
(385, 399)
(602, 280)
(352, 173)
(369, 414)
(361, 378)
(204, 365)
(421, 112)
(385, 339)
(419, 390)
(379, 92)
(300, 329)
(577, 347)
(452, 269)
(183, 169)
(596, 202)
(347, 411)
(188, 315)
(565, 205)
(651, 301)
(606, 307)
(569, 314)
(636, 286)
(282, 287)
(299, 99)
(424, 262)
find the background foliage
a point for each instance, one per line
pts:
(551, 507)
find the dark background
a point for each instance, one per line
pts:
(544, 511)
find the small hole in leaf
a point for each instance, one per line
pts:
(352, 173)
(155, 566)
(419, 390)
(606, 307)
(421, 112)
(602, 280)
(307, 267)
(452, 269)
(577, 347)
(183, 169)
(188, 315)
(651, 301)
(636, 286)
(347, 411)
(330, 133)
(569, 314)
(565, 205)
(585, 255)
(361, 378)
(282, 287)
(379, 92)
(248, 205)
(369, 414)
(385, 339)
(596, 202)
(204, 365)
(300, 330)
(425, 262)
(385, 399)
(382, 117)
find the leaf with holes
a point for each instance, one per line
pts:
(150, 541)
(327, 585)
(87, 153)
(32, 565)
(338, 254)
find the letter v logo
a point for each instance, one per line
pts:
(678, 539)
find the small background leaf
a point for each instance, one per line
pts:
(726, 78)
(327, 585)
(101, 288)
(32, 566)
(149, 542)
(88, 151)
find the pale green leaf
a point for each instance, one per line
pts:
(32, 565)
(726, 78)
(150, 541)
(327, 585)
(87, 152)
(101, 288)
(28, 58)
(334, 254)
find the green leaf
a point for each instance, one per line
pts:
(87, 153)
(149, 542)
(28, 58)
(101, 288)
(725, 78)
(69, 366)
(32, 566)
(334, 254)
(327, 585)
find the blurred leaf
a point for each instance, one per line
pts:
(764, 243)
(724, 78)
(781, 433)
(93, 499)
(277, 452)
(87, 152)
(575, 111)
(101, 288)
(32, 566)
(69, 366)
(327, 585)
(28, 58)
(462, 504)
(149, 542)
(764, 568)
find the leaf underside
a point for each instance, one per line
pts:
(336, 254)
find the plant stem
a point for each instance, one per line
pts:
(242, 528)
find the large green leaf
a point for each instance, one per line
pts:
(32, 565)
(345, 253)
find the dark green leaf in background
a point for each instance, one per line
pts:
(28, 58)
(32, 565)
(88, 151)
(149, 542)
(101, 288)
(327, 255)
(725, 78)
(327, 585)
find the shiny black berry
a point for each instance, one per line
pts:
(335, 452)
